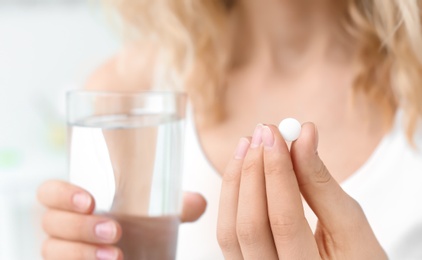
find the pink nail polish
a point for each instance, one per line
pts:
(257, 136)
(81, 201)
(267, 137)
(106, 254)
(106, 231)
(242, 149)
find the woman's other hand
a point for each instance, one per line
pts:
(74, 232)
(261, 213)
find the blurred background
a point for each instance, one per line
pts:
(46, 48)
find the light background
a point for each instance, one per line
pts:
(46, 48)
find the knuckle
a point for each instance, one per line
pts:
(276, 168)
(357, 214)
(247, 233)
(354, 218)
(227, 239)
(354, 204)
(284, 227)
(231, 174)
(249, 166)
(322, 175)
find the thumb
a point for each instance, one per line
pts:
(338, 214)
(194, 206)
(335, 209)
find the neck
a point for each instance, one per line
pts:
(287, 32)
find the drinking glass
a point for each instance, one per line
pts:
(126, 149)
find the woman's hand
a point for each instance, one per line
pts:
(261, 213)
(75, 233)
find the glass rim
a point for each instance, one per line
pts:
(135, 94)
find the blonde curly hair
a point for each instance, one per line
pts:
(190, 32)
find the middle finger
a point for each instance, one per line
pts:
(292, 234)
(253, 230)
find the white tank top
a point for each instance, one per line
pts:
(388, 187)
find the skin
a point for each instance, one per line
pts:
(261, 213)
(291, 61)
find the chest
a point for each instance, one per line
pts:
(349, 129)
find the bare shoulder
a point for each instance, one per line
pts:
(129, 70)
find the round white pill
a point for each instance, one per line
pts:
(290, 129)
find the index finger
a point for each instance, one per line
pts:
(62, 195)
(291, 232)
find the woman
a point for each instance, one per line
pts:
(352, 67)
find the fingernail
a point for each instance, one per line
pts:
(106, 231)
(81, 201)
(267, 137)
(242, 149)
(257, 136)
(106, 254)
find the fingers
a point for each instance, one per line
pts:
(261, 214)
(82, 228)
(194, 206)
(65, 196)
(61, 224)
(253, 228)
(292, 235)
(226, 226)
(334, 208)
(58, 249)
(340, 216)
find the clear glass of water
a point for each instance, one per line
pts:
(126, 150)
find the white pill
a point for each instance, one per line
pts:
(290, 129)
